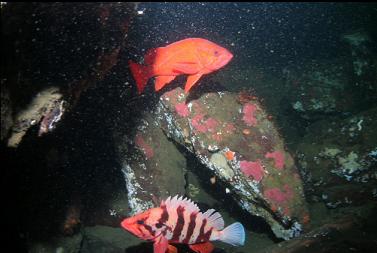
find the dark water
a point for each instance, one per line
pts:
(78, 160)
(271, 35)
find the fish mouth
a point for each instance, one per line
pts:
(229, 57)
(225, 57)
(127, 225)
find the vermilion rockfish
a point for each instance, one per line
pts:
(193, 56)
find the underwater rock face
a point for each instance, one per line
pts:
(6, 113)
(339, 160)
(152, 166)
(52, 56)
(337, 86)
(320, 90)
(325, 237)
(45, 103)
(359, 43)
(240, 145)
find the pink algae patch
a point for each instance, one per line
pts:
(204, 126)
(253, 169)
(248, 114)
(217, 137)
(211, 124)
(278, 196)
(182, 109)
(229, 128)
(140, 143)
(278, 157)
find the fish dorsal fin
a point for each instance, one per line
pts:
(162, 55)
(173, 203)
(214, 218)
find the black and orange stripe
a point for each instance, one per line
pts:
(204, 236)
(179, 224)
(184, 227)
(190, 228)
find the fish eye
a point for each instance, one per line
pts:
(216, 53)
(158, 225)
(140, 222)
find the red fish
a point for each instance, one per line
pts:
(194, 57)
(179, 220)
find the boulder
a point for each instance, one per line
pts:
(338, 157)
(235, 138)
(343, 234)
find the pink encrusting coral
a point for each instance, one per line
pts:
(278, 196)
(182, 109)
(253, 169)
(229, 128)
(249, 114)
(278, 157)
(211, 124)
(204, 126)
(195, 121)
(140, 143)
(217, 137)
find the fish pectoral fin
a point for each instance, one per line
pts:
(172, 249)
(161, 81)
(191, 80)
(205, 247)
(160, 245)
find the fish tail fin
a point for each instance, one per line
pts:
(233, 234)
(140, 74)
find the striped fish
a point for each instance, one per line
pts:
(179, 220)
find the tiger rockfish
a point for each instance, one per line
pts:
(179, 220)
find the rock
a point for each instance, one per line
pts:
(319, 90)
(99, 239)
(330, 237)
(337, 86)
(48, 64)
(51, 55)
(250, 160)
(60, 244)
(220, 161)
(153, 168)
(6, 112)
(47, 102)
(339, 160)
(359, 43)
